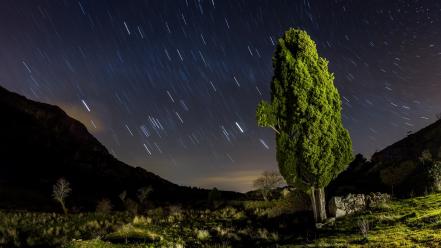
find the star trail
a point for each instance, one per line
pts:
(172, 85)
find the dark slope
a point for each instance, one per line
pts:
(40, 143)
(401, 168)
(412, 147)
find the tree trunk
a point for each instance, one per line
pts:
(264, 196)
(64, 207)
(318, 204)
(313, 204)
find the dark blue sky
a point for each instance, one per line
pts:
(172, 85)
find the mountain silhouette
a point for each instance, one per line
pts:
(40, 143)
(404, 168)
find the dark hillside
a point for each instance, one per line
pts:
(405, 168)
(40, 143)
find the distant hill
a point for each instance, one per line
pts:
(403, 168)
(40, 143)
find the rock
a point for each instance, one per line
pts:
(330, 221)
(374, 199)
(341, 206)
(319, 225)
(336, 207)
(354, 203)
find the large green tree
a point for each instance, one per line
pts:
(313, 147)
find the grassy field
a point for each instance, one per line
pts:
(412, 222)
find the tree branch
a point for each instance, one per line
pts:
(277, 131)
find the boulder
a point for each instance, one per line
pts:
(340, 206)
(336, 207)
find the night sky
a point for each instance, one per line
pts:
(172, 85)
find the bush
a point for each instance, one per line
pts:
(202, 234)
(104, 206)
(363, 225)
(435, 175)
(24, 229)
(131, 206)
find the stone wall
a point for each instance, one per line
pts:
(340, 206)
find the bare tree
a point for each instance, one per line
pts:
(61, 191)
(438, 116)
(268, 181)
(143, 193)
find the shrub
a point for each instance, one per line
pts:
(141, 220)
(214, 198)
(131, 206)
(143, 193)
(363, 225)
(104, 206)
(394, 175)
(175, 210)
(157, 212)
(435, 175)
(202, 234)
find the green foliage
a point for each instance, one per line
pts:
(25, 229)
(394, 175)
(195, 228)
(231, 226)
(295, 201)
(435, 175)
(265, 115)
(313, 147)
(404, 223)
(408, 223)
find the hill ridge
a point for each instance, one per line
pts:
(41, 143)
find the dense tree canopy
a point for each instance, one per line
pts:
(313, 147)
